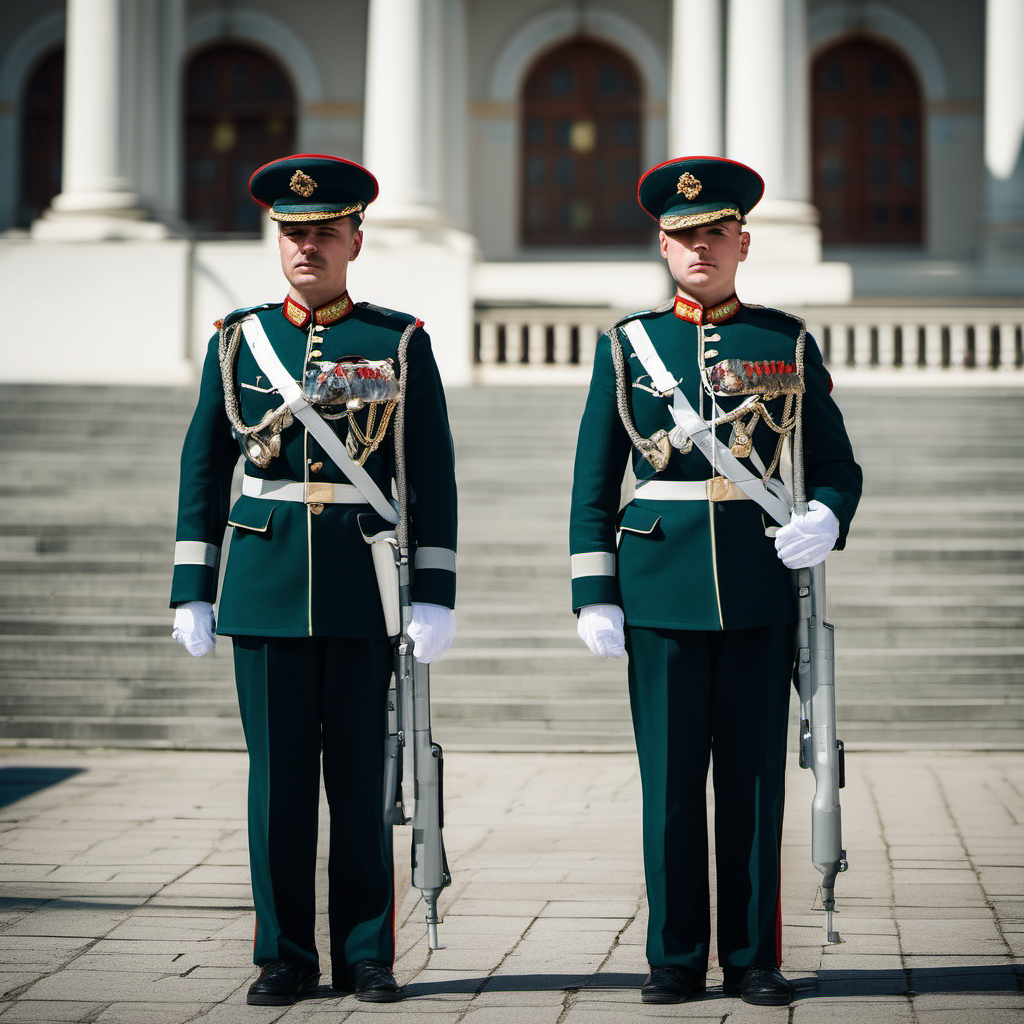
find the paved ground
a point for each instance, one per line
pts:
(125, 897)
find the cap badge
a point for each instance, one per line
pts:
(302, 183)
(689, 186)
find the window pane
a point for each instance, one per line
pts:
(833, 130)
(561, 82)
(833, 78)
(833, 172)
(907, 171)
(625, 132)
(880, 77)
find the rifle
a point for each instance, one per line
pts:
(414, 763)
(820, 749)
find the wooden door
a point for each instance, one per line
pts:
(868, 174)
(581, 145)
(239, 114)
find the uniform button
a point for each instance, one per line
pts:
(315, 467)
(316, 353)
(315, 507)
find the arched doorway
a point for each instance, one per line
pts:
(868, 173)
(239, 113)
(580, 145)
(42, 127)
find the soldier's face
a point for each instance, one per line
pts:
(315, 257)
(703, 260)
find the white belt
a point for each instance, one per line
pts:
(718, 488)
(296, 490)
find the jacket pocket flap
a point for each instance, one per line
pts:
(634, 519)
(250, 513)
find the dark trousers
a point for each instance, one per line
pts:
(307, 701)
(718, 697)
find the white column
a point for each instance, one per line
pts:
(1004, 129)
(401, 115)
(414, 257)
(768, 127)
(756, 131)
(153, 44)
(695, 102)
(96, 200)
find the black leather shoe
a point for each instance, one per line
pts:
(281, 984)
(762, 986)
(670, 985)
(373, 982)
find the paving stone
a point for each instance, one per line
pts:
(55, 1012)
(518, 953)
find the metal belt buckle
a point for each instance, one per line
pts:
(319, 493)
(718, 488)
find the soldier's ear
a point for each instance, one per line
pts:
(357, 244)
(663, 244)
(744, 244)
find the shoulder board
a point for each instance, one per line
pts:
(403, 319)
(663, 308)
(240, 314)
(778, 314)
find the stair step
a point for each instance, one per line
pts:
(928, 599)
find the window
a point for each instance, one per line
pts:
(868, 170)
(580, 144)
(42, 121)
(239, 114)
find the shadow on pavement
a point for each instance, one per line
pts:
(20, 781)
(915, 981)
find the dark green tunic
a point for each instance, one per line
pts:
(292, 571)
(696, 564)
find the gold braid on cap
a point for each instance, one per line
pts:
(319, 214)
(677, 221)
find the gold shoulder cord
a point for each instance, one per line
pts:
(263, 440)
(657, 448)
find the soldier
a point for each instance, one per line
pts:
(686, 579)
(311, 650)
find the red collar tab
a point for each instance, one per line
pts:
(297, 314)
(695, 314)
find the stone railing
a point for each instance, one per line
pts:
(558, 343)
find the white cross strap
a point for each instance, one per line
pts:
(662, 380)
(270, 363)
(699, 430)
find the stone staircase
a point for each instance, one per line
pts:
(928, 600)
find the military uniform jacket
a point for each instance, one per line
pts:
(697, 564)
(297, 568)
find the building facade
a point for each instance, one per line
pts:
(507, 140)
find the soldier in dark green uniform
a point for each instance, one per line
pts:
(300, 600)
(687, 578)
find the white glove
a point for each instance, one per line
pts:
(601, 628)
(431, 631)
(194, 626)
(806, 540)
